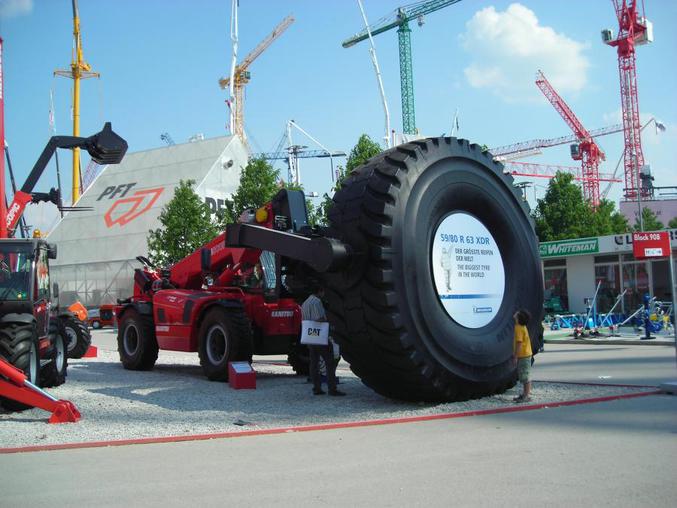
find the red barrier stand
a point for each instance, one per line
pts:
(92, 352)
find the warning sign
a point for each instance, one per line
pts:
(467, 270)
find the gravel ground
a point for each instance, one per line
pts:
(176, 399)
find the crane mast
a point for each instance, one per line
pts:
(79, 70)
(632, 31)
(400, 20)
(242, 75)
(3, 205)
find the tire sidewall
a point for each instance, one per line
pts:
(130, 321)
(215, 323)
(432, 193)
(60, 354)
(72, 336)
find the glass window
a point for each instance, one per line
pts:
(267, 261)
(556, 294)
(42, 276)
(609, 289)
(613, 258)
(636, 281)
(15, 270)
(554, 262)
(660, 273)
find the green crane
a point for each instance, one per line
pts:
(400, 19)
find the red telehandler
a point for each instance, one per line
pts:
(33, 338)
(224, 303)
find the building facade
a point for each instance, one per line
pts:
(97, 248)
(573, 268)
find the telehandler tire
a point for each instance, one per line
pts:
(78, 336)
(54, 373)
(19, 346)
(444, 253)
(137, 345)
(225, 335)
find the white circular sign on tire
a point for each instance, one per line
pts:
(467, 270)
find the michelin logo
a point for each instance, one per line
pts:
(482, 310)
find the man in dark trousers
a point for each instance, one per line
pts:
(313, 310)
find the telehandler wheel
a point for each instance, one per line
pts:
(54, 373)
(444, 253)
(224, 336)
(78, 337)
(137, 345)
(19, 346)
(299, 359)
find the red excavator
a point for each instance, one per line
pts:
(34, 341)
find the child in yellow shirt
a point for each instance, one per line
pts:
(522, 354)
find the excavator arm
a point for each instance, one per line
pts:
(105, 147)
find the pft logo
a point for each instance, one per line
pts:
(126, 209)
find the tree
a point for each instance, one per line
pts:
(364, 150)
(606, 220)
(259, 182)
(651, 222)
(673, 223)
(186, 225)
(562, 213)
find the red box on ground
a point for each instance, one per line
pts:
(651, 244)
(241, 376)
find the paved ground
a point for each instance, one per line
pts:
(619, 453)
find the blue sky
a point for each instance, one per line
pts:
(160, 62)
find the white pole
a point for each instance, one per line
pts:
(331, 160)
(674, 298)
(374, 61)
(233, 64)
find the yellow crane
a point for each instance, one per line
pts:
(242, 75)
(79, 70)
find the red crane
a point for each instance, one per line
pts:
(533, 146)
(528, 169)
(632, 31)
(586, 151)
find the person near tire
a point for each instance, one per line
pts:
(313, 310)
(522, 354)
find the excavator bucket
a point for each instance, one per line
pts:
(106, 147)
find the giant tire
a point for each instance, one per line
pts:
(299, 359)
(225, 335)
(137, 345)
(54, 373)
(77, 335)
(19, 346)
(387, 316)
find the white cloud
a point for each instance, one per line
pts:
(509, 47)
(11, 8)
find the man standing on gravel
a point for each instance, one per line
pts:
(313, 310)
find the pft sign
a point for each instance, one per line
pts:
(654, 244)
